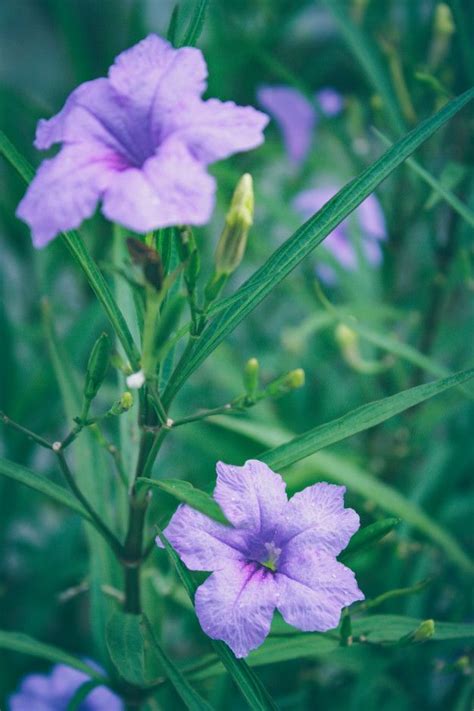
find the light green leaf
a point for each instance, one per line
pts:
(82, 257)
(305, 239)
(185, 492)
(248, 683)
(44, 486)
(23, 643)
(359, 420)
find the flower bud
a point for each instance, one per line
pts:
(285, 383)
(97, 366)
(251, 377)
(345, 336)
(239, 219)
(425, 631)
(443, 20)
(123, 404)
(149, 260)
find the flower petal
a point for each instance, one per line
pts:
(66, 190)
(203, 544)
(330, 101)
(213, 129)
(316, 517)
(252, 497)
(236, 605)
(371, 218)
(170, 189)
(154, 71)
(295, 116)
(313, 589)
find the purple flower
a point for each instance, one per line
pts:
(41, 692)
(296, 116)
(139, 141)
(277, 554)
(368, 218)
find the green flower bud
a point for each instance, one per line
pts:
(123, 404)
(97, 367)
(443, 20)
(425, 631)
(239, 219)
(285, 383)
(251, 371)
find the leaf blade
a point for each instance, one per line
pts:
(186, 493)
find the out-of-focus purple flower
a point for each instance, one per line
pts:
(330, 101)
(277, 554)
(139, 141)
(41, 692)
(296, 115)
(368, 218)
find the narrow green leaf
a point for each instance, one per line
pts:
(82, 257)
(306, 238)
(172, 33)
(463, 210)
(367, 53)
(185, 492)
(23, 643)
(188, 695)
(140, 659)
(325, 466)
(44, 486)
(390, 628)
(367, 536)
(249, 684)
(196, 24)
(81, 694)
(359, 420)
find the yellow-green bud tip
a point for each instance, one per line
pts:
(345, 336)
(239, 219)
(296, 378)
(425, 631)
(126, 401)
(443, 22)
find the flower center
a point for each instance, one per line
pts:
(273, 555)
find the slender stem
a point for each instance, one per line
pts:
(133, 555)
(203, 414)
(98, 523)
(23, 430)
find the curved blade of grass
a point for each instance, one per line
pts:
(457, 204)
(367, 53)
(367, 536)
(305, 239)
(80, 254)
(44, 486)
(332, 467)
(359, 420)
(23, 643)
(196, 24)
(245, 679)
(186, 493)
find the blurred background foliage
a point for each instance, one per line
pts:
(414, 316)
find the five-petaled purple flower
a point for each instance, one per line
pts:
(277, 554)
(368, 219)
(139, 141)
(41, 692)
(296, 115)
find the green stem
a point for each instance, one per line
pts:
(103, 529)
(133, 555)
(23, 430)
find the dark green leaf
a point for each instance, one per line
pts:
(23, 643)
(359, 420)
(188, 494)
(368, 535)
(390, 628)
(39, 483)
(196, 24)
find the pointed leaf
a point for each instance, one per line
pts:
(186, 493)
